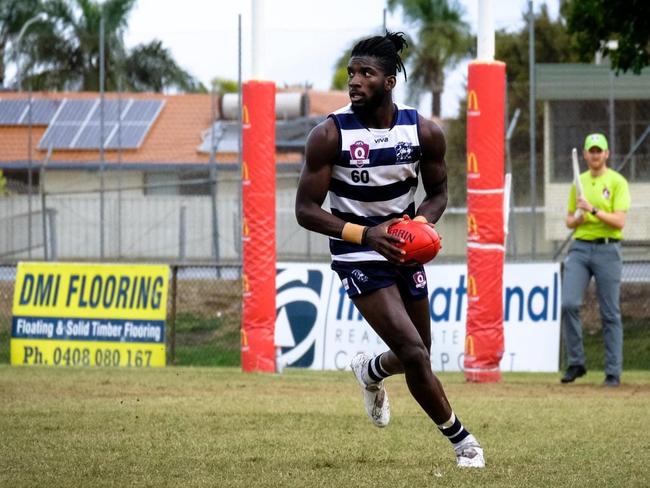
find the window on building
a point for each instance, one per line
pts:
(18, 181)
(571, 121)
(185, 183)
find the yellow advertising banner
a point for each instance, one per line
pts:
(72, 314)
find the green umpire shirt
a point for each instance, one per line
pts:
(608, 192)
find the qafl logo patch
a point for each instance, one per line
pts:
(420, 279)
(359, 154)
(606, 193)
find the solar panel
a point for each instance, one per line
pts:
(143, 111)
(111, 109)
(11, 110)
(58, 137)
(84, 117)
(75, 111)
(16, 112)
(42, 112)
(89, 136)
(131, 138)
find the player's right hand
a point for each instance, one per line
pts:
(381, 241)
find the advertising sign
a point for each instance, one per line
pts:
(70, 314)
(318, 327)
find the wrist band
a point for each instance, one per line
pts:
(420, 218)
(363, 236)
(353, 233)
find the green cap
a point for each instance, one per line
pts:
(596, 140)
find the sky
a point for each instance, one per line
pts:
(302, 39)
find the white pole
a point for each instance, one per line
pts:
(258, 41)
(485, 48)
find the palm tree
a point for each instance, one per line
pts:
(443, 39)
(13, 16)
(66, 53)
(152, 67)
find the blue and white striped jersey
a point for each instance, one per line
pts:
(375, 176)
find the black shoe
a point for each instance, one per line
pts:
(573, 372)
(611, 380)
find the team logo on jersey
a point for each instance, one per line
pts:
(606, 193)
(420, 279)
(359, 154)
(359, 275)
(403, 152)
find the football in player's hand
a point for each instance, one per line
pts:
(421, 241)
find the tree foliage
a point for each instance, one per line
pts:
(13, 16)
(63, 52)
(594, 22)
(442, 40)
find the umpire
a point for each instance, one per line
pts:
(598, 217)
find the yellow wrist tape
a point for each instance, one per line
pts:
(352, 233)
(420, 218)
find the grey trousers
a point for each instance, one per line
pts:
(604, 263)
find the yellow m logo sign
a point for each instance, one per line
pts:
(471, 286)
(469, 345)
(472, 163)
(244, 171)
(472, 226)
(472, 101)
(245, 116)
(245, 229)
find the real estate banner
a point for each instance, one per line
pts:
(71, 314)
(318, 327)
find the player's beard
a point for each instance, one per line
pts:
(371, 103)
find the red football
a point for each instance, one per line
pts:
(421, 241)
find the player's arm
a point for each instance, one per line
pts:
(433, 169)
(321, 150)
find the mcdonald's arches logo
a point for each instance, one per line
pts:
(246, 287)
(469, 345)
(472, 289)
(472, 165)
(245, 117)
(472, 227)
(244, 340)
(472, 104)
(245, 230)
(245, 177)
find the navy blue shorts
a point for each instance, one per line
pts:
(365, 277)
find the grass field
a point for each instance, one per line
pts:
(219, 427)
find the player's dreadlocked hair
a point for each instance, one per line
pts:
(386, 49)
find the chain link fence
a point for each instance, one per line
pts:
(189, 214)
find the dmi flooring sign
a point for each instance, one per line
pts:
(318, 327)
(70, 314)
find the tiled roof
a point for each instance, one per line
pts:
(173, 138)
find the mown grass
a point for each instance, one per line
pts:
(220, 427)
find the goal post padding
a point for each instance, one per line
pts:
(258, 227)
(485, 230)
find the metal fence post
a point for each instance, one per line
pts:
(172, 317)
(181, 234)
